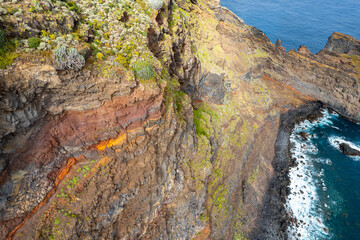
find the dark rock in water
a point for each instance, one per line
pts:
(347, 150)
(342, 43)
(304, 135)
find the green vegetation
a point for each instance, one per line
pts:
(253, 175)
(203, 217)
(238, 224)
(73, 7)
(2, 39)
(63, 194)
(68, 58)
(239, 236)
(84, 170)
(200, 122)
(179, 98)
(34, 42)
(116, 31)
(7, 48)
(64, 213)
(219, 196)
(143, 70)
(203, 118)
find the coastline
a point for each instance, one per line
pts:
(274, 220)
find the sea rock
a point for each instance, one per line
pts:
(304, 135)
(348, 150)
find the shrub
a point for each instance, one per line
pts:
(156, 4)
(2, 39)
(143, 70)
(6, 58)
(68, 58)
(100, 56)
(34, 42)
(73, 7)
(7, 48)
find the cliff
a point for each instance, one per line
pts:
(168, 130)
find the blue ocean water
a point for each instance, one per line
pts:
(299, 22)
(325, 189)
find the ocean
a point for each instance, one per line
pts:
(325, 184)
(325, 189)
(299, 22)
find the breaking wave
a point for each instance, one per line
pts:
(304, 203)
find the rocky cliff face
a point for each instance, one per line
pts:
(105, 153)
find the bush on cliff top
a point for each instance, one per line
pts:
(34, 42)
(7, 48)
(68, 58)
(2, 39)
(73, 7)
(143, 70)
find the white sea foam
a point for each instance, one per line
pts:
(303, 202)
(336, 128)
(323, 161)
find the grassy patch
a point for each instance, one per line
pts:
(203, 118)
(34, 42)
(7, 51)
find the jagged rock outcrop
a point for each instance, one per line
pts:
(343, 44)
(189, 153)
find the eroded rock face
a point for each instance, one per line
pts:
(188, 154)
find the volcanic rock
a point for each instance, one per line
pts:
(348, 150)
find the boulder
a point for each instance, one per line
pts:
(348, 150)
(304, 135)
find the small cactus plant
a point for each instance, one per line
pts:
(68, 58)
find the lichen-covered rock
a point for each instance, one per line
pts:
(342, 43)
